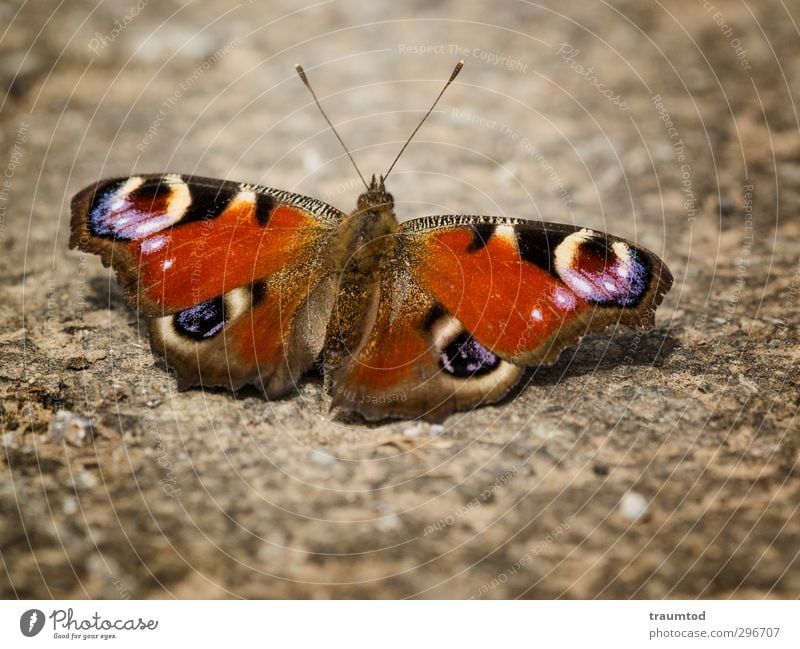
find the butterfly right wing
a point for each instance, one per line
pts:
(232, 275)
(467, 301)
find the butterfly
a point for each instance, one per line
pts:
(248, 285)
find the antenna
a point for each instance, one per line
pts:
(456, 70)
(304, 78)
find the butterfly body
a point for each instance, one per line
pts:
(247, 285)
(362, 247)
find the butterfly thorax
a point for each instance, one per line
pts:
(366, 236)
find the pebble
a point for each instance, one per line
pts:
(388, 523)
(82, 480)
(85, 360)
(415, 430)
(389, 519)
(66, 426)
(633, 506)
(77, 363)
(321, 458)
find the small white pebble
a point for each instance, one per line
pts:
(633, 506)
(389, 519)
(438, 429)
(311, 160)
(70, 506)
(68, 427)
(388, 523)
(84, 480)
(505, 175)
(748, 383)
(415, 430)
(321, 458)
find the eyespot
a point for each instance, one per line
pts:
(465, 357)
(601, 272)
(201, 321)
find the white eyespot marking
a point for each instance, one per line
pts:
(506, 232)
(180, 198)
(536, 314)
(444, 330)
(246, 196)
(118, 200)
(244, 199)
(131, 185)
(167, 264)
(138, 224)
(601, 271)
(623, 252)
(153, 244)
(564, 299)
(580, 285)
(237, 302)
(567, 250)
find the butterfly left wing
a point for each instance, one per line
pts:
(467, 301)
(233, 276)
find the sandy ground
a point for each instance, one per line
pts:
(650, 465)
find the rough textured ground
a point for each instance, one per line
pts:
(640, 465)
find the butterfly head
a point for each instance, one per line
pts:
(376, 197)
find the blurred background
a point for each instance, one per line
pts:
(640, 465)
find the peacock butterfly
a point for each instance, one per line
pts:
(247, 285)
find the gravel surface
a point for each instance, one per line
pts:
(647, 465)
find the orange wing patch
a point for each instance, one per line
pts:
(509, 305)
(193, 263)
(417, 361)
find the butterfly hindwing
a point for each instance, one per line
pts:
(415, 359)
(267, 334)
(233, 276)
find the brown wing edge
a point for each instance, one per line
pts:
(432, 410)
(111, 254)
